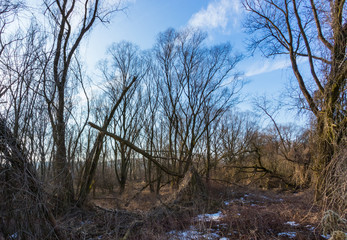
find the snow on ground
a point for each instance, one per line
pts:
(210, 217)
(193, 233)
(287, 234)
(326, 236)
(14, 236)
(247, 199)
(311, 228)
(292, 223)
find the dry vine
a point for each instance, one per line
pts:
(24, 213)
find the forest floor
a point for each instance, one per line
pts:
(229, 213)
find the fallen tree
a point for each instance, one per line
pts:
(137, 149)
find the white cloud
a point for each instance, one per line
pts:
(266, 66)
(217, 15)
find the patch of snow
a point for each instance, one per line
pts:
(265, 197)
(211, 236)
(188, 234)
(192, 234)
(226, 203)
(14, 236)
(288, 234)
(253, 205)
(224, 238)
(292, 223)
(182, 235)
(210, 217)
(311, 228)
(222, 226)
(86, 222)
(326, 236)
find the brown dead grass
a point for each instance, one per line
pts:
(250, 214)
(134, 198)
(261, 216)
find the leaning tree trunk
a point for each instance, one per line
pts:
(93, 157)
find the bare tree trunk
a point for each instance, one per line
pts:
(208, 154)
(93, 156)
(62, 167)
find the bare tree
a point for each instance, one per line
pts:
(291, 27)
(191, 87)
(70, 22)
(165, 52)
(94, 151)
(189, 78)
(20, 65)
(154, 142)
(8, 11)
(238, 131)
(127, 62)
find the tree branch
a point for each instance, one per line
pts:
(136, 149)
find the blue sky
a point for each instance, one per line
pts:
(221, 19)
(144, 19)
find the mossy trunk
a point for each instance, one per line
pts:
(330, 137)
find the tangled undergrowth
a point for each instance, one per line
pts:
(242, 213)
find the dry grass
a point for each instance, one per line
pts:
(254, 214)
(134, 198)
(247, 214)
(335, 194)
(266, 216)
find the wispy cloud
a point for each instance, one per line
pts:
(266, 66)
(218, 14)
